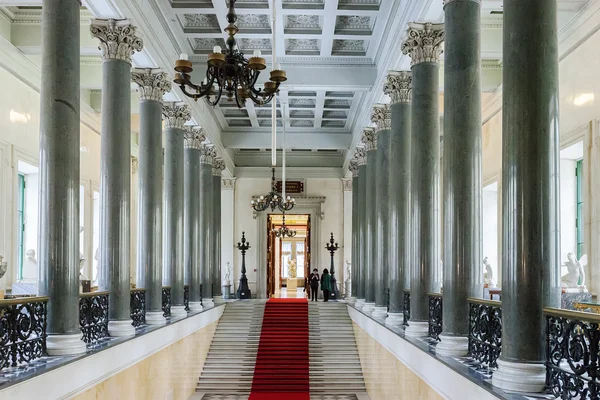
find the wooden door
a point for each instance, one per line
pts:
(270, 258)
(307, 247)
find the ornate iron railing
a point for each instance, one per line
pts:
(572, 354)
(22, 330)
(435, 315)
(138, 307)
(406, 312)
(485, 331)
(388, 299)
(93, 316)
(166, 301)
(186, 297)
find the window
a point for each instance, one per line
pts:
(21, 224)
(579, 219)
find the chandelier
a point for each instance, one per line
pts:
(231, 72)
(283, 231)
(273, 199)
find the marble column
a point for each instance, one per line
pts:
(530, 191)
(354, 275)
(152, 87)
(58, 231)
(462, 172)
(193, 147)
(398, 86)
(175, 118)
(370, 141)
(206, 231)
(361, 157)
(424, 45)
(380, 116)
(118, 41)
(218, 167)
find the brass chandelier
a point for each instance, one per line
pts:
(273, 199)
(231, 72)
(283, 231)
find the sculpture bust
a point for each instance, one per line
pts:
(575, 277)
(292, 268)
(488, 274)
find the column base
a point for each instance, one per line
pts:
(394, 319)
(196, 306)
(417, 329)
(121, 328)
(368, 307)
(155, 318)
(218, 300)
(65, 345)
(351, 300)
(206, 303)
(520, 377)
(452, 346)
(359, 303)
(380, 312)
(178, 311)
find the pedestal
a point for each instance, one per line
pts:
(570, 296)
(292, 284)
(226, 291)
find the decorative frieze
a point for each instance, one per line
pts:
(193, 137)
(207, 154)
(361, 156)
(424, 42)
(381, 117)
(176, 115)
(118, 40)
(353, 167)
(152, 85)
(398, 86)
(369, 139)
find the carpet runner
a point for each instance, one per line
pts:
(282, 362)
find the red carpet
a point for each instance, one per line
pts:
(281, 371)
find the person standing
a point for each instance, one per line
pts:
(314, 284)
(326, 284)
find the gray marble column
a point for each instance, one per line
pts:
(118, 41)
(361, 157)
(380, 116)
(152, 87)
(58, 231)
(462, 183)
(398, 86)
(530, 191)
(424, 45)
(370, 141)
(354, 275)
(218, 167)
(207, 157)
(175, 118)
(193, 146)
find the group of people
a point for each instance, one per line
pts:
(312, 282)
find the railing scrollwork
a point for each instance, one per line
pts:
(138, 307)
(93, 316)
(22, 330)
(186, 297)
(166, 301)
(485, 331)
(406, 313)
(435, 315)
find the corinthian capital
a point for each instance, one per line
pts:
(424, 42)
(380, 116)
(218, 166)
(353, 167)
(369, 139)
(193, 137)
(152, 85)
(398, 86)
(117, 38)
(176, 116)
(207, 154)
(361, 156)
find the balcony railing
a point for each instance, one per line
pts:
(22, 330)
(166, 301)
(186, 297)
(485, 331)
(435, 315)
(93, 316)
(572, 352)
(138, 307)
(406, 312)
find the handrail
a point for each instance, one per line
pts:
(434, 294)
(138, 290)
(21, 300)
(476, 300)
(93, 294)
(579, 315)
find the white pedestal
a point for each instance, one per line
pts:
(208, 303)
(394, 319)
(519, 377)
(380, 312)
(65, 345)
(292, 284)
(417, 329)
(121, 328)
(452, 346)
(178, 311)
(155, 318)
(359, 303)
(368, 307)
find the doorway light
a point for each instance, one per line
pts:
(18, 118)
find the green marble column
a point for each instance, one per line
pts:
(370, 140)
(361, 158)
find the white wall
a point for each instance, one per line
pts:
(490, 229)
(568, 208)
